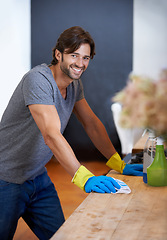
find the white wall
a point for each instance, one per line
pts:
(150, 36)
(14, 46)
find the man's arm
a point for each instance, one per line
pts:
(94, 128)
(97, 133)
(48, 122)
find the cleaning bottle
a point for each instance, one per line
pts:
(148, 153)
(157, 171)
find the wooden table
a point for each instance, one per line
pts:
(140, 215)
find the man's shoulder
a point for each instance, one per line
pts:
(39, 72)
(42, 68)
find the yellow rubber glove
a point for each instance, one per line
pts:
(85, 180)
(115, 162)
(81, 176)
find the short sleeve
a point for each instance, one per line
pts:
(80, 91)
(37, 89)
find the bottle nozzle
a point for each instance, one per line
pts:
(160, 141)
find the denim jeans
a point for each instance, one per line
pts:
(36, 201)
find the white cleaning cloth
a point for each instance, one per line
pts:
(124, 187)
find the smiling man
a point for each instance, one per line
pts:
(78, 61)
(31, 132)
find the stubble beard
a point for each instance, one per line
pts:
(68, 71)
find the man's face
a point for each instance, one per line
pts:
(74, 64)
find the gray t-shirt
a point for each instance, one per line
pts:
(23, 152)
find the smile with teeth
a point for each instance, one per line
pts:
(77, 70)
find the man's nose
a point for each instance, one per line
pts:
(79, 62)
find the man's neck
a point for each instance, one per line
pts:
(61, 79)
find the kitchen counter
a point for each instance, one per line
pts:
(140, 215)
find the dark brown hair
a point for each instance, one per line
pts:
(70, 40)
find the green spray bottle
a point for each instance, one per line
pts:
(157, 171)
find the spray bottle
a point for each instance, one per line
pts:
(148, 153)
(157, 171)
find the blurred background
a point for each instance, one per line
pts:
(130, 36)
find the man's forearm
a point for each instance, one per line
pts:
(48, 122)
(100, 138)
(63, 152)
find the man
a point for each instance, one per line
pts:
(31, 132)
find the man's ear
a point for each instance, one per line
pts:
(58, 55)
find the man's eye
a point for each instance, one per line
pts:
(74, 56)
(86, 58)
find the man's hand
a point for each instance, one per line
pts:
(101, 184)
(116, 163)
(85, 180)
(133, 169)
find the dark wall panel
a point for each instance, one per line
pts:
(110, 23)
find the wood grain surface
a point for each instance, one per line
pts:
(140, 215)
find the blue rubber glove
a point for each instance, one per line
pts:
(101, 184)
(133, 169)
